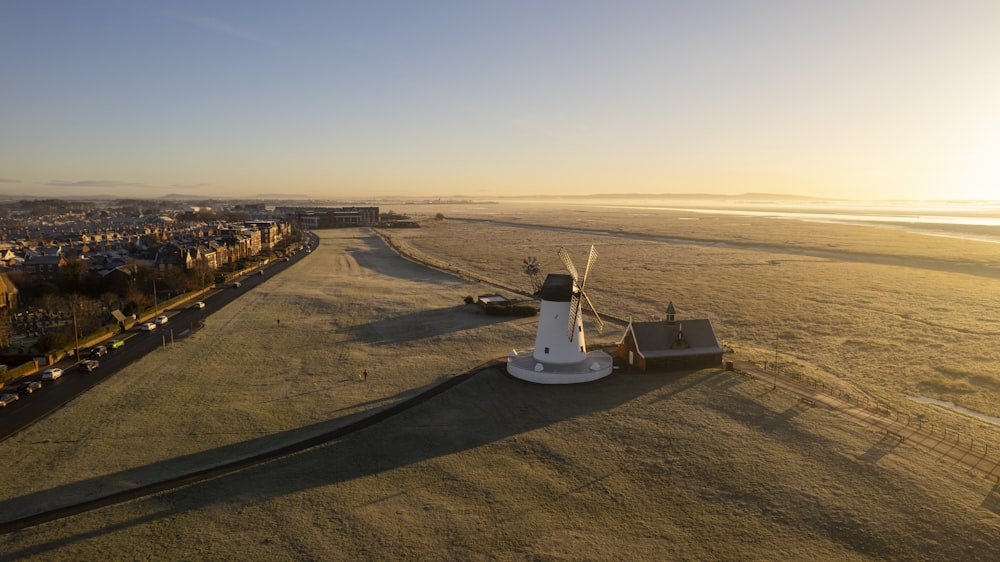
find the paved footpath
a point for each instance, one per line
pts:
(946, 445)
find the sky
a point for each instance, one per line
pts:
(872, 99)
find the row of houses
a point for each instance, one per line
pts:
(163, 247)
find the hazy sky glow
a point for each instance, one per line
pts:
(852, 99)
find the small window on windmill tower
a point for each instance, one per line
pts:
(546, 350)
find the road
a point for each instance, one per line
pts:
(54, 394)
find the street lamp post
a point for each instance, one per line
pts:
(76, 335)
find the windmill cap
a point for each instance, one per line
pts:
(558, 287)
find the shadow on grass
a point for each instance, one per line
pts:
(424, 324)
(782, 420)
(371, 253)
(880, 449)
(689, 381)
(489, 407)
(992, 499)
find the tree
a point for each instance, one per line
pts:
(136, 301)
(200, 275)
(142, 273)
(71, 275)
(89, 314)
(175, 280)
(6, 329)
(111, 300)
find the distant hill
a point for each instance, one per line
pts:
(676, 196)
(284, 196)
(714, 196)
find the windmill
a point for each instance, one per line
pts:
(579, 297)
(534, 273)
(560, 355)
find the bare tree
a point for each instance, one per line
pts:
(71, 275)
(6, 329)
(136, 300)
(200, 275)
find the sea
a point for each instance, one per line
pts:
(971, 220)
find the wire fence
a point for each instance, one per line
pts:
(917, 426)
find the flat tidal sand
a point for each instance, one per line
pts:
(695, 465)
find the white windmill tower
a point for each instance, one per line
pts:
(560, 355)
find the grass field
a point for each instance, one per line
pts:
(691, 465)
(880, 322)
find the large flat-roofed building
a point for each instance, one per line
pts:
(334, 217)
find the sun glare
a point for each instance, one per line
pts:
(978, 172)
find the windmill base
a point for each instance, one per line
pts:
(524, 366)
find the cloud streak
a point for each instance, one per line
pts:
(221, 27)
(225, 28)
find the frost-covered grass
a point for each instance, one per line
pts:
(696, 465)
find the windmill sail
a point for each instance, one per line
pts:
(597, 317)
(568, 264)
(579, 296)
(591, 258)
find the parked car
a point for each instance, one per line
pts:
(52, 374)
(161, 320)
(98, 351)
(8, 398)
(260, 272)
(27, 387)
(147, 327)
(89, 365)
(236, 284)
(198, 304)
(115, 344)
